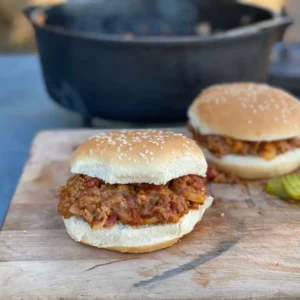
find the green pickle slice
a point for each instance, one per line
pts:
(291, 185)
(274, 187)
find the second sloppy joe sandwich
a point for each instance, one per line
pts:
(134, 191)
(247, 129)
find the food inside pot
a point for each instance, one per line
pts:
(142, 18)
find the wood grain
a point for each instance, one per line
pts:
(246, 247)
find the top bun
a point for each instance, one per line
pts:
(149, 156)
(246, 111)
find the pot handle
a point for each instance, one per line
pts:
(278, 26)
(28, 10)
(283, 26)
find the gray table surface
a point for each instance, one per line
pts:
(25, 109)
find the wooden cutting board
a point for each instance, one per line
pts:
(246, 247)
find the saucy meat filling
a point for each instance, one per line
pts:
(222, 145)
(215, 175)
(101, 204)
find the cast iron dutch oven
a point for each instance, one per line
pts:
(144, 60)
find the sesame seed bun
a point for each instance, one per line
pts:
(149, 156)
(254, 167)
(138, 239)
(246, 111)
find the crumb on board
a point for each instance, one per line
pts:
(277, 263)
(222, 214)
(261, 212)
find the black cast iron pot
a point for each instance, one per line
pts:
(141, 60)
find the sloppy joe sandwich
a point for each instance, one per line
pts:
(134, 191)
(247, 129)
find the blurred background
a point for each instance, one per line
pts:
(16, 34)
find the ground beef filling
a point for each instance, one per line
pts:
(221, 145)
(215, 175)
(101, 204)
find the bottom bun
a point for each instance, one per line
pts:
(254, 167)
(139, 239)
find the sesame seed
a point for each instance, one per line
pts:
(249, 121)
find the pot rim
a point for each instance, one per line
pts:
(276, 21)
